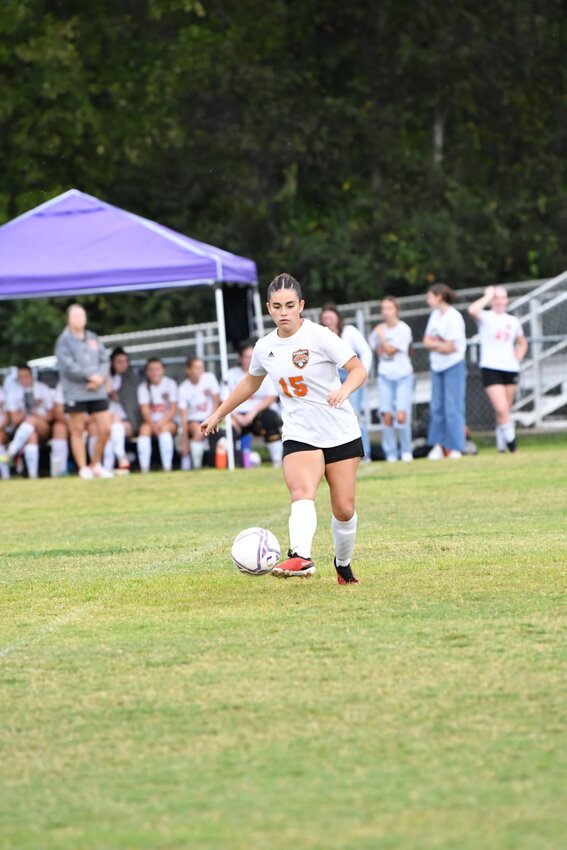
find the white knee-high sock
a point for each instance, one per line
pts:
(509, 431)
(344, 537)
(276, 452)
(60, 450)
(165, 441)
(31, 454)
(197, 452)
(91, 443)
(118, 439)
(500, 438)
(302, 527)
(108, 456)
(4, 468)
(145, 453)
(20, 438)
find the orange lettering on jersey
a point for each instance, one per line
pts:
(300, 358)
(298, 386)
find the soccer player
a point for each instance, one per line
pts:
(198, 395)
(321, 434)
(503, 346)
(157, 397)
(392, 341)
(331, 318)
(82, 361)
(124, 410)
(256, 415)
(30, 407)
(446, 341)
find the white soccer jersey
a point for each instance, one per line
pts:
(36, 401)
(57, 394)
(398, 365)
(2, 408)
(158, 396)
(448, 326)
(196, 400)
(498, 335)
(303, 368)
(235, 375)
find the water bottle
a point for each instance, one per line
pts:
(221, 456)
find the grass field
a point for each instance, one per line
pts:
(152, 697)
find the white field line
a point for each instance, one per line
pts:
(76, 614)
(36, 635)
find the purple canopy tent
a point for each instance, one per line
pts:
(76, 244)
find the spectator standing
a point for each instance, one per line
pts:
(446, 342)
(331, 318)
(157, 398)
(392, 342)
(30, 407)
(198, 397)
(257, 414)
(83, 368)
(503, 346)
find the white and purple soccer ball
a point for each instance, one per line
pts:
(255, 551)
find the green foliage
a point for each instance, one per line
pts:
(364, 146)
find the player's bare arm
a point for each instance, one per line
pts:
(357, 376)
(481, 303)
(249, 385)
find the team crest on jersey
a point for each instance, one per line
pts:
(300, 358)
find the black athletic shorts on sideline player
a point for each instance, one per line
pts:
(331, 454)
(491, 377)
(95, 406)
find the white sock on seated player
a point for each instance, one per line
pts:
(4, 468)
(108, 456)
(276, 452)
(118, 439)
(31, 454)
(144, 452)
(22, 435)
(197, 452)
(165, 442)
(302, 526)
(344, 537)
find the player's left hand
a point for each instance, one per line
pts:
(336, 398)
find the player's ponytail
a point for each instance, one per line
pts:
(284, 281)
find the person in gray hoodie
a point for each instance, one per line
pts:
(83, 364)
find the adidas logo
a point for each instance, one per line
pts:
(271, 354)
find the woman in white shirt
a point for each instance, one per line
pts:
(446, 342)
(331, 318)
(198, 396)
(392, 341)
(503, 346)
(321, 434)
(157, 397)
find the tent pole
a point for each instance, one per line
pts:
(258, 312)
(224, 371)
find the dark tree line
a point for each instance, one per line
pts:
(369, 146)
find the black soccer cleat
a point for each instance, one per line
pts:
(512, 445)
(345, 575)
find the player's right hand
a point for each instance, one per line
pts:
(489, 293)
(210, 425)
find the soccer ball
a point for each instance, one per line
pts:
(255, 551)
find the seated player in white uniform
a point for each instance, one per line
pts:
(30, 406)
(4, 422)
(321, 434)
(198, 396)
(503, 346)
(157, 397)
(257, 415)
(122, 384)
